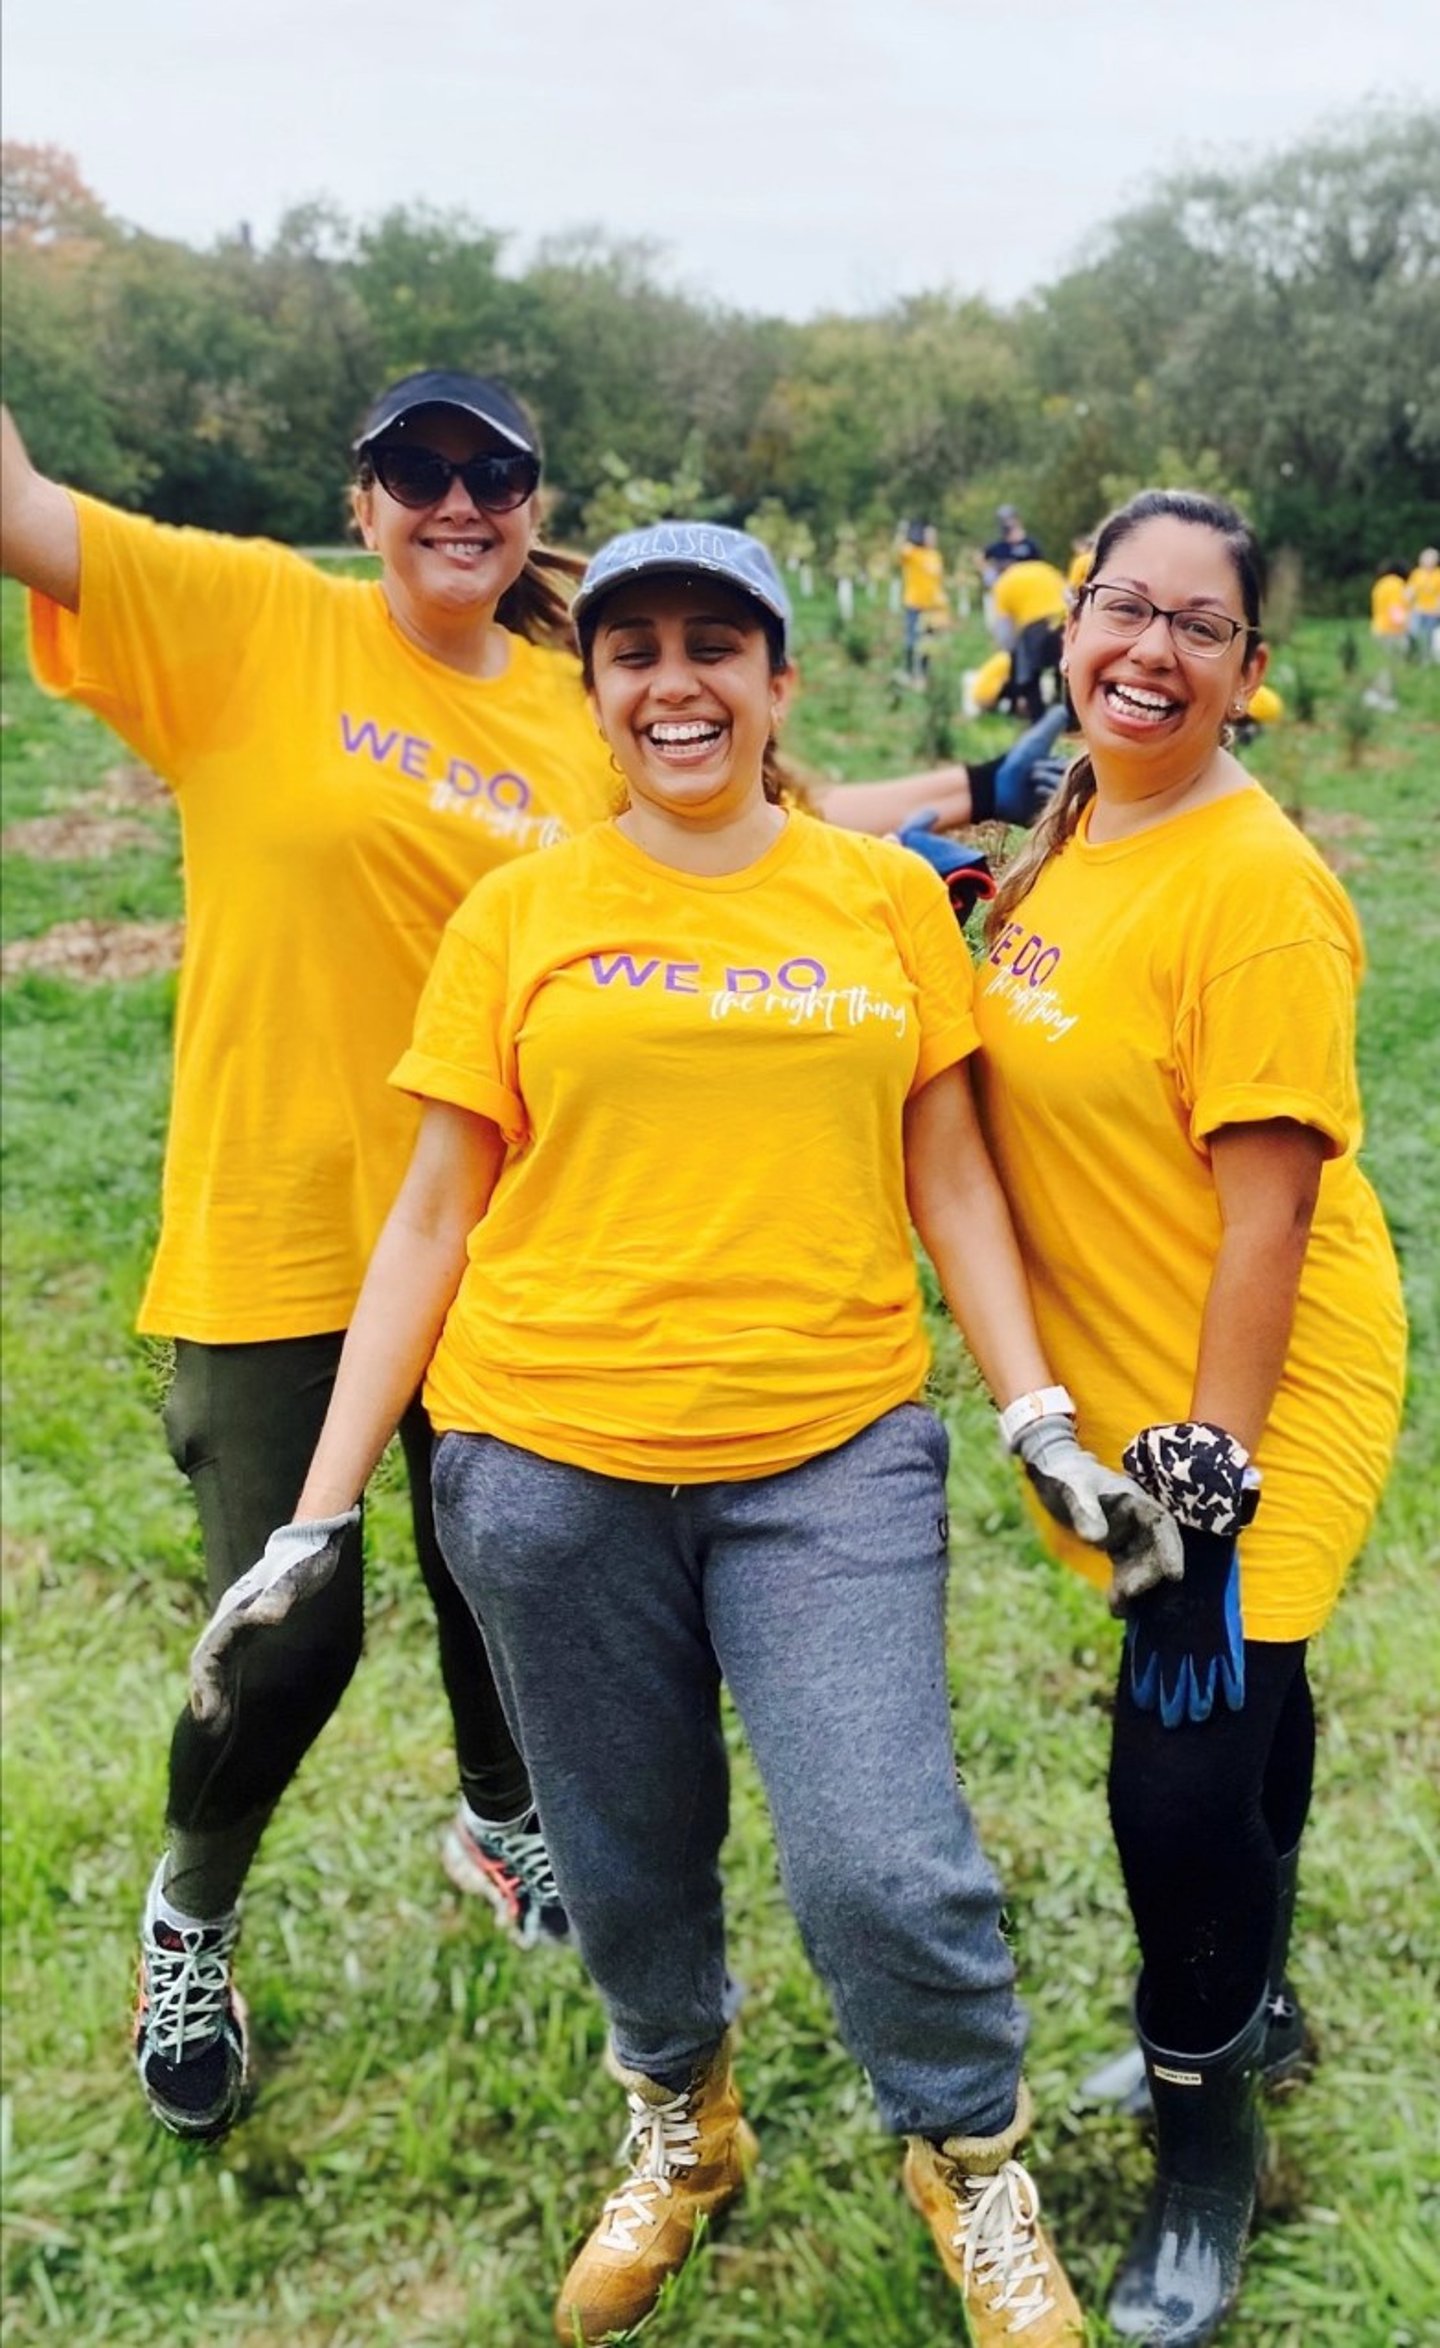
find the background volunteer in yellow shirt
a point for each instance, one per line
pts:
(923, 602)
(1422, 590)
(680, 1428)
(1168, 1084)
(1027, 614)
(1389, 605)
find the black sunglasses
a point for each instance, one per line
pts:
(419, 477)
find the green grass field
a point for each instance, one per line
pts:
(432, 2132)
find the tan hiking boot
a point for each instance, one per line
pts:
(692, 2153)
(984, 2212)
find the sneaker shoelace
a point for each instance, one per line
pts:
(664, 2137)
(521, 1849)
(1001, 2249)
(187, 1987)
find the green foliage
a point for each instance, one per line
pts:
(1284, 595)
(935, 745)
(1283, 318)
(1270, 331)
(1357, 724)
(628, 501)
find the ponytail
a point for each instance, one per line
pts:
(537, 604)
(1057, 825)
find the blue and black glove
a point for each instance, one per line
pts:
(1185, 1639)
(965, 871)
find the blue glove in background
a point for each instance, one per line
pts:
(1029, 774)
(965, 871)
(1185, 1639)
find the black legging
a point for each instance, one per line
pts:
(1201, 1814)
(242, 1422)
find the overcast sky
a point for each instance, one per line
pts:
(790, 155)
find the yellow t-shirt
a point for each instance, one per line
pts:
(339, 794)
(1389, 610)
(1145, 993)
(696, 1263)
(1265, 706)
(922, 578)
(1423, 586)
(1025, 592)
(990, 680)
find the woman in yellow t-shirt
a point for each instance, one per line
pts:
(1168, 1083)
(1422, 593)
(1389, 605)
(680, 1430)
(923, 601)
(348, 757)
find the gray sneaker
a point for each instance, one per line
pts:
(510, 1867)
(191, 2049)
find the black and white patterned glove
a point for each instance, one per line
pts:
(1201, 1474)
(1103, 1507)
(299, 1559)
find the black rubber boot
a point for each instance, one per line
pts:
(1287, 2051)
(1181, 2274)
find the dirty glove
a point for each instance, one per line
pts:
(299, 1559)
(1094, 1501)
(1182, 1644)
(965, 871)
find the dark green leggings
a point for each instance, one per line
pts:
(242, 1422)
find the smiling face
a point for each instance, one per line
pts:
(684, 692)
(1148, 701)
(450, 562)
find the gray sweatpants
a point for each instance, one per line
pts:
(613, 1609)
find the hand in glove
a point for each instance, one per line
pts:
(299, 1559)
(1182, 1644)
(1101, 1506)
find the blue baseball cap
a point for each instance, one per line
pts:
(686, 550)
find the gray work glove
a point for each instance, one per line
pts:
(1140, 1538)
(299, 1559)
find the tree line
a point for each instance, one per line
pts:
(1273, 332)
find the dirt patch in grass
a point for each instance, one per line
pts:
(1336, 833)
(100, 824)
(95, 953)
(76, 838)
(1337, 823)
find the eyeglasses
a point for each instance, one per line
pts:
(419, 477)
(1124, 613)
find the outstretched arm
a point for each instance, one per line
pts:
(888, 806)
(39, 529)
